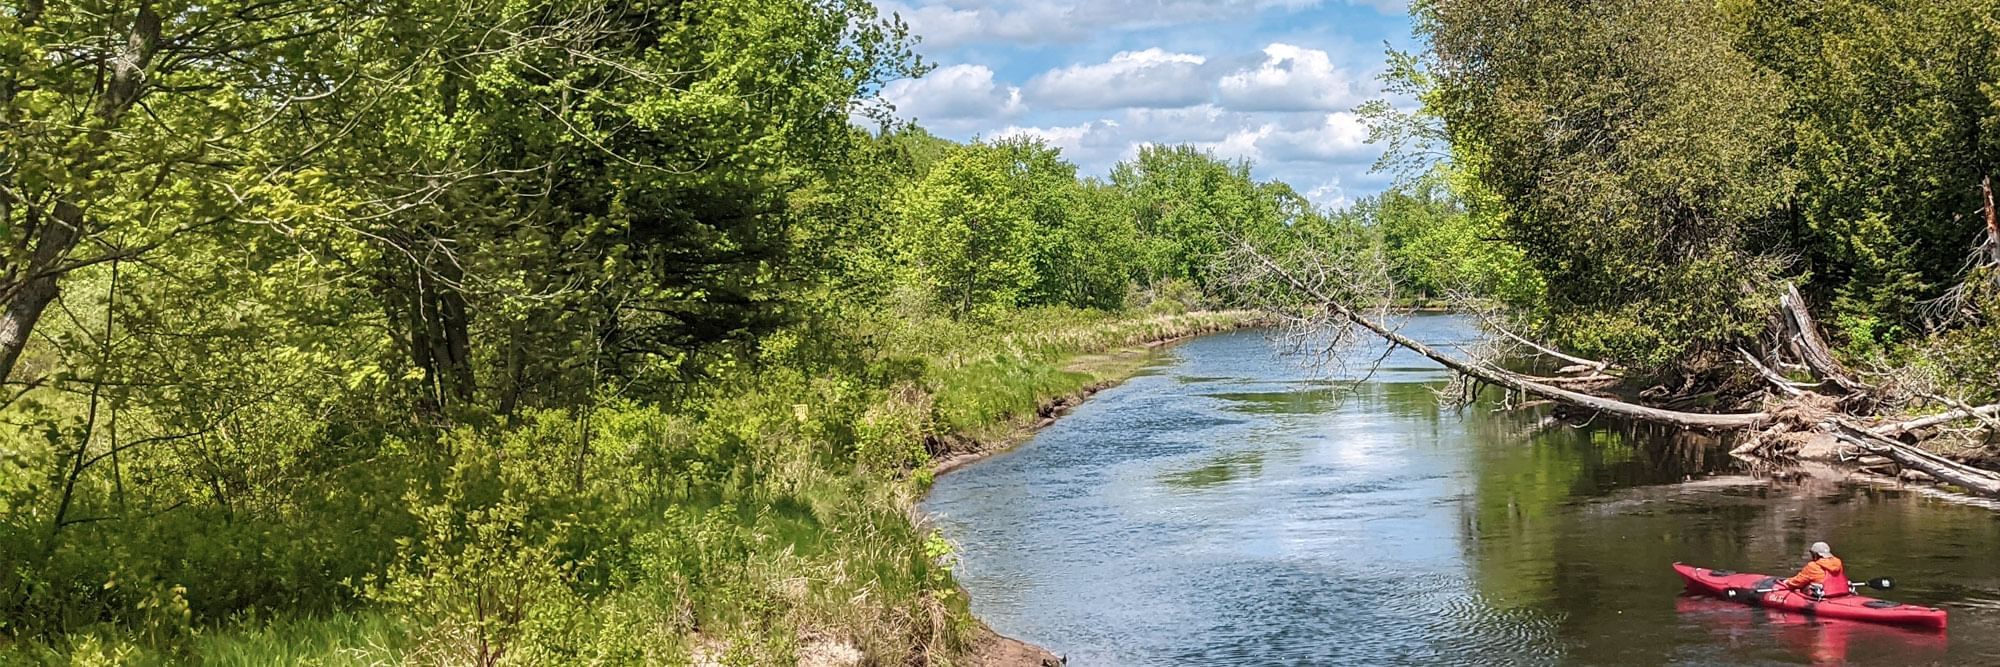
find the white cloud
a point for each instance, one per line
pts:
(1153, 78)
(1291, 78)
(1329, 194)
(1339, 137)
(945, 24)
(1068, 138)
(1213, 81)
(1205, 122)
(1241, 144)
(954, 93)
(1093, 146)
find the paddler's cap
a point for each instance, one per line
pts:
(1821, 549)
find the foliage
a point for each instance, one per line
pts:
(1663, 164)
(1190, 207)
(1892, 133)
(1439, 245)
(1631, 147)
(508, 332)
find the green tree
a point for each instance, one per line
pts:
(1438, 245)
(1632, 149)
(1087, 259)
(967, 230)
(1891, 127)
(124, 125)
(1189, 207)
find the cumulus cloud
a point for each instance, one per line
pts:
(1241, 144)
(1291, 78)
(1339, 137)
(953, 23)
(1093, 146)
(1200, 123)
(954, 93)
(1318, 153)
(1385, 6)
(1152, 78)
(1285, 107)
(1329, 194)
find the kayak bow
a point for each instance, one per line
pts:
(1720, 583)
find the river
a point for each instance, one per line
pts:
(1232, 506)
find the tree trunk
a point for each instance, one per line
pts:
(1806, 342)
(1992, 221)
(25, 302)
(63, 227)
(434, 330)
(1513, 381)
(1974, 480)
(1899, 428)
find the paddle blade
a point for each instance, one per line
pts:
(1883, 583)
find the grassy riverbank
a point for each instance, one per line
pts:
(767, 520)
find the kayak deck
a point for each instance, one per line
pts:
(1855, 607)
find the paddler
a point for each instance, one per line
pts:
(1823, 575)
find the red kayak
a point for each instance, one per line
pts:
(1720, 583)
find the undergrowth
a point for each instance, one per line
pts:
(766, 514)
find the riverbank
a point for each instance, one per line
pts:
(1105, 369)
(1101, 366)
(764, 518)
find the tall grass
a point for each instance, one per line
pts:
(765, 514)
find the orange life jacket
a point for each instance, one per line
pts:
(1828, 572)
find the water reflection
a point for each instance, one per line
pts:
(1233, 507)
(1219, 470)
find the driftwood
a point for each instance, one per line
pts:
(1975, 480)
(1940, 419)
(1778, 381)
(1593, 379)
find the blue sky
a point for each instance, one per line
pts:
(1272, 81)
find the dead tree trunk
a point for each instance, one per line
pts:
(1974, 480)
(1899, 428)
(1992, 222)
(1805, 341)
(1843, 427)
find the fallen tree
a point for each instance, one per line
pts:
(1803, 338)
(1975, 480)
(1322, 306)
(1497, 376)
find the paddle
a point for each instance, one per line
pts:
(1756, 595)
(1750, 596)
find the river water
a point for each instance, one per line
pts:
(1231, 506)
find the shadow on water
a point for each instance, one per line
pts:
(1235, 507)
(1308, 402)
